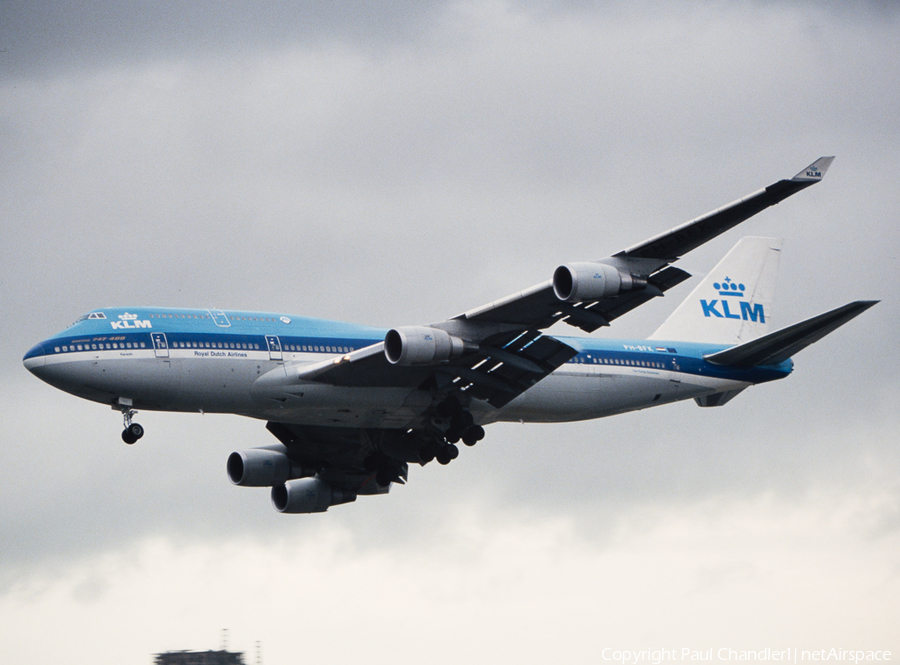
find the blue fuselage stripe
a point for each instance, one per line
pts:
(144, 328)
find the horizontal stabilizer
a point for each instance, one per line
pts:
(778, 346)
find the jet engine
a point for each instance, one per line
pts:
(421, 345)
(263, 467)
(308, 495)
(577, 282)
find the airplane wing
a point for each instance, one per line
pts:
(540, 306)
(502, 367)
(504, 352)
(366, 461)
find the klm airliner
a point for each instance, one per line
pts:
(352, 406)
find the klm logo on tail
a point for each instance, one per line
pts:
(732, 294)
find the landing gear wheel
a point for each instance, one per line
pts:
(444, 455)
(473, 435)
(384, 477)
(132, 433)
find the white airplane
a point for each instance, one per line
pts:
(352, 406)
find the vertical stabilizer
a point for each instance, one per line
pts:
(733, 304)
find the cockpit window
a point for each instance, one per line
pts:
(92, 315)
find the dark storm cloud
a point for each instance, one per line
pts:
(44, 39)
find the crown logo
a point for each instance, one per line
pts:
(128, 317)
(729, 288)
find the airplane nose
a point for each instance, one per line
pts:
(34, 359)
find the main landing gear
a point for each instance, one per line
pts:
(132, 431)
(451, 425)
(462, 425)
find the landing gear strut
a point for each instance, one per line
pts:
(132, 431)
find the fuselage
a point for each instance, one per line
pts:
(212, 361)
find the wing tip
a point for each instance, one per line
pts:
(863, 305)
(815, 171)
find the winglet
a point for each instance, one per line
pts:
(815, 171)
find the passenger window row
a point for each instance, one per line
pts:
(620, 361)
(178, 316)
(99, 346)
(215, 345)
(102, 346)
(318, 348)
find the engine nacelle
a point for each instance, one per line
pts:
(262, 467)
(577, 282)
(421, 345)
(308, 495)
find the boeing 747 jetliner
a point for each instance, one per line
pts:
(352, 406)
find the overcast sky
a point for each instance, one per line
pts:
(398, 163)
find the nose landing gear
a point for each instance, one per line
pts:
(132, 431)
